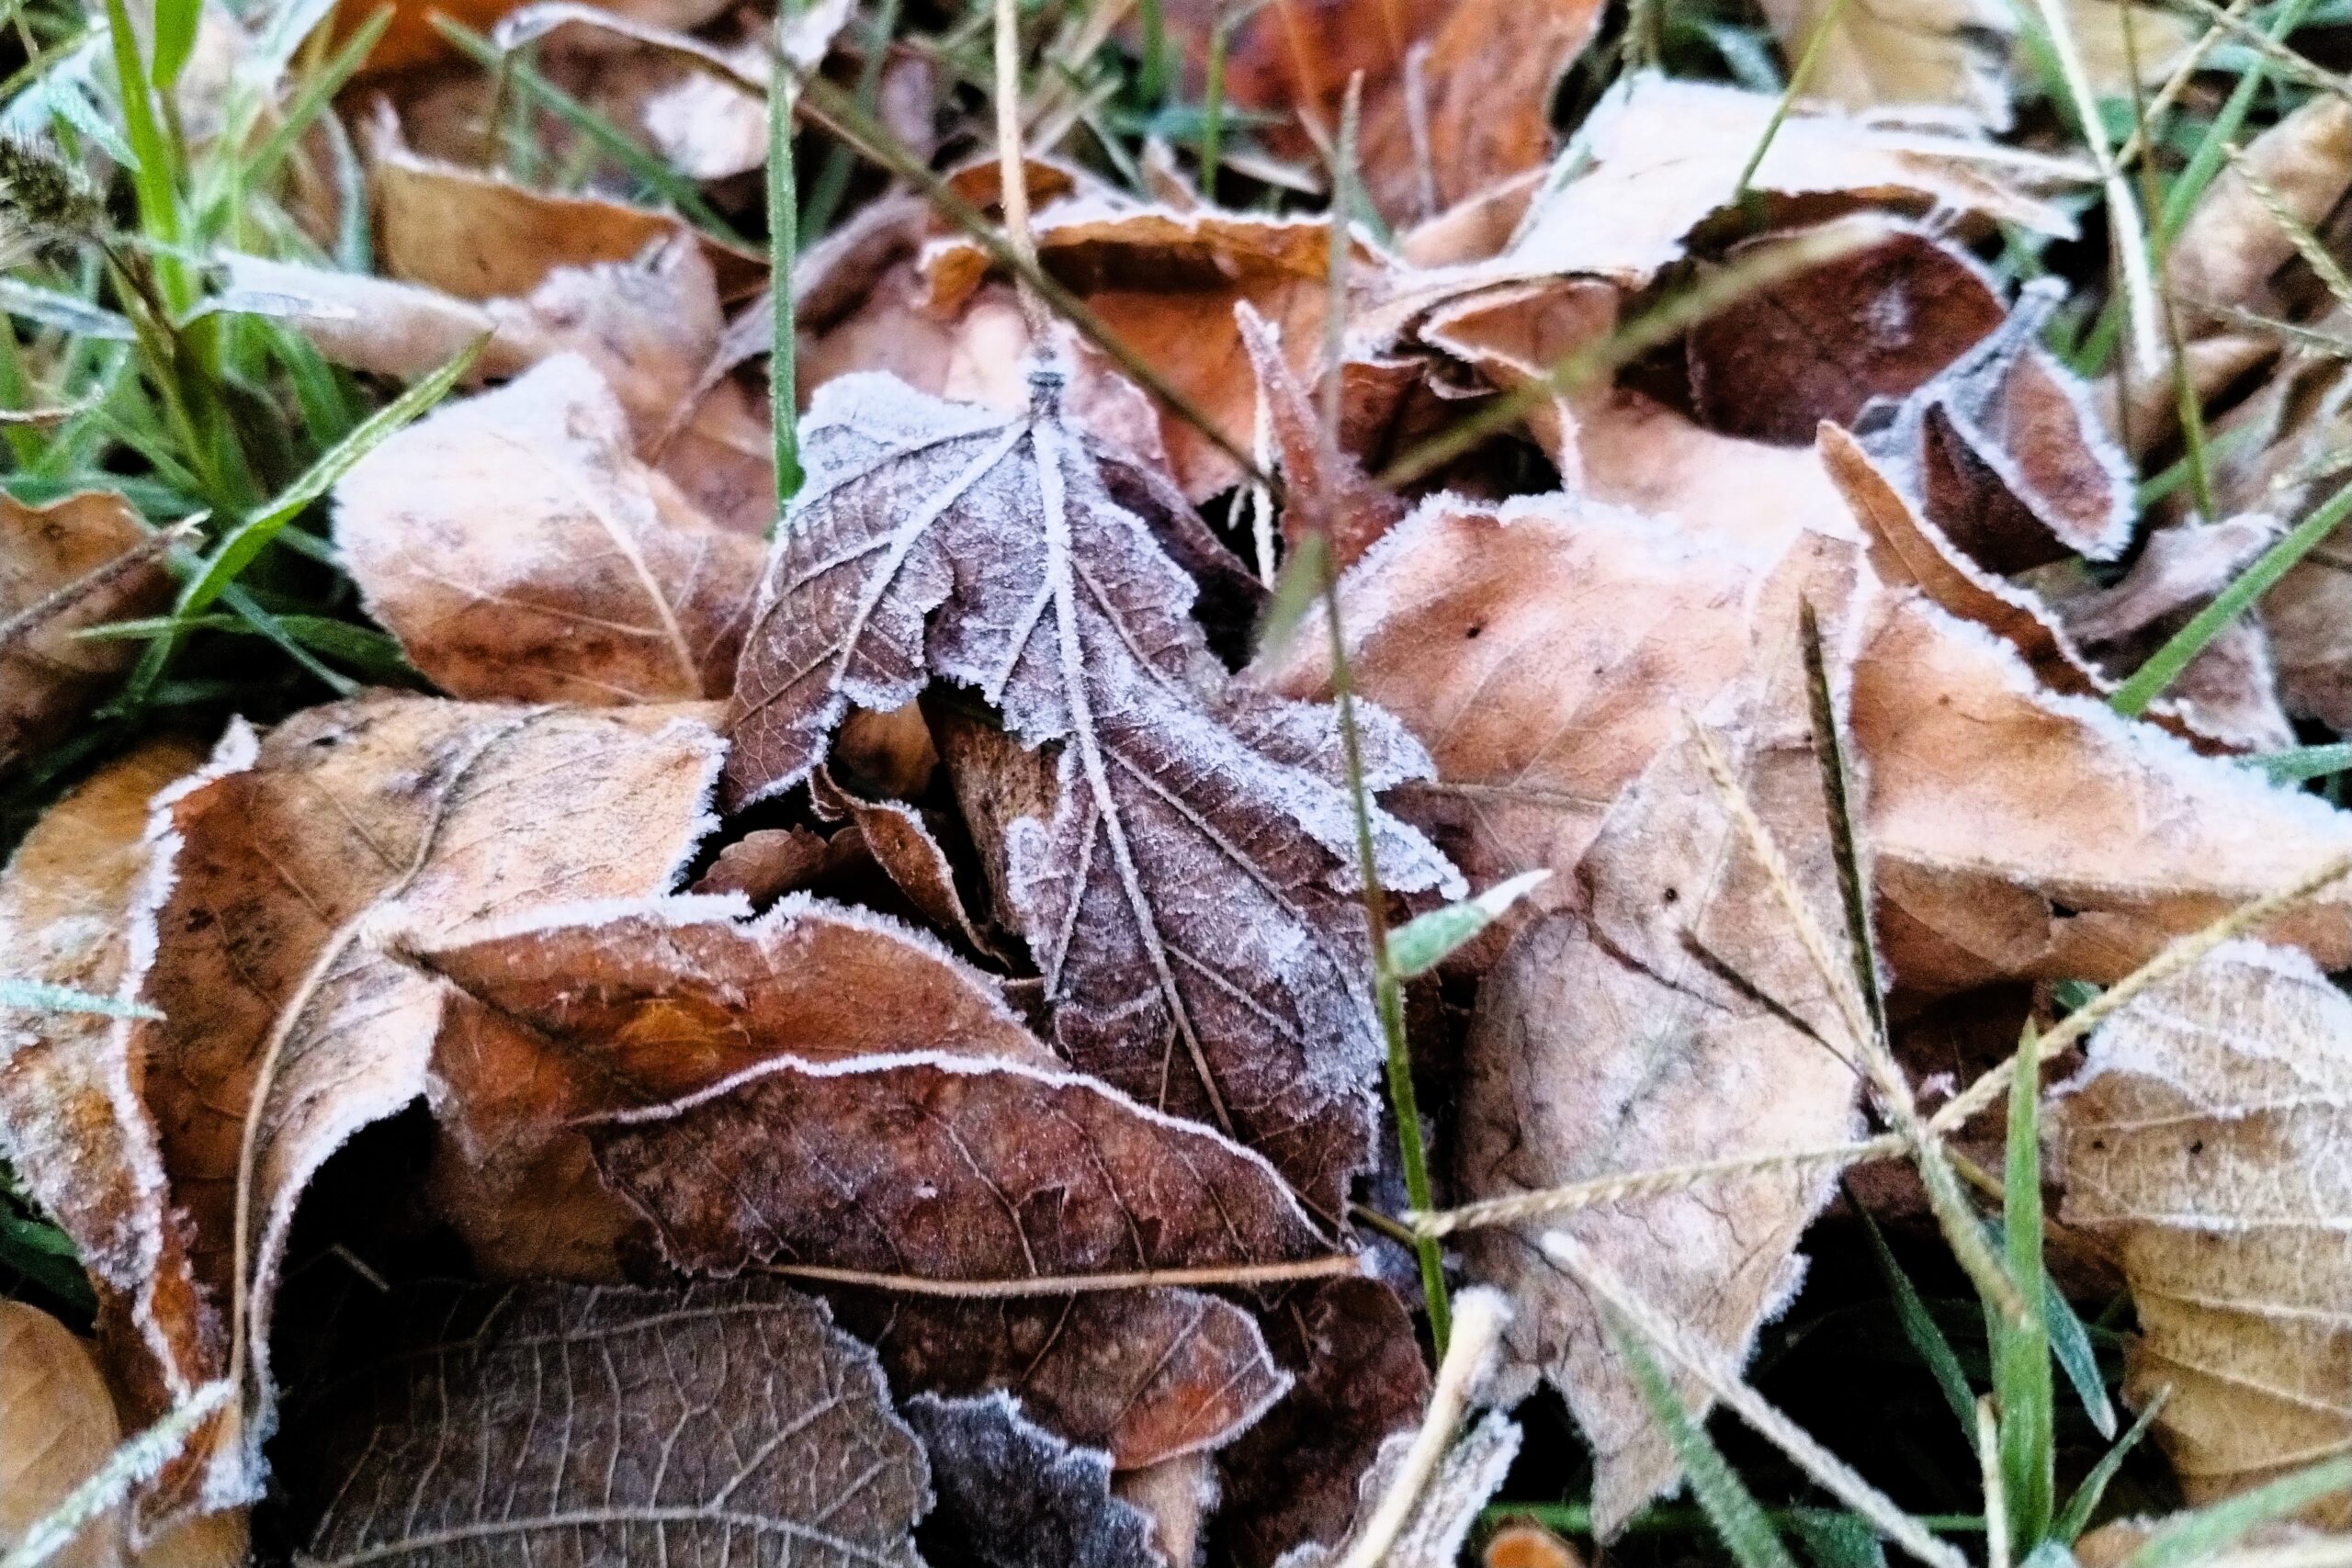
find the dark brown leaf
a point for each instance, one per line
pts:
(568, 1425)
(1187, 885)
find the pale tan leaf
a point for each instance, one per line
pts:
(1933, 55)
(292, 858)
(1610, 1040)
(2095, 837)
(568, 1425)
(518, 550)
(57, 1426)
(1183, 862)
(2202, 1140)
(73, 564)
(71, 1122)
(2232, 243)
(1658, 157)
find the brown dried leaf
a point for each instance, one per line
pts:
(1323, 489)
(2005, 452)
(2021, 832)
(2202, 1140)
(518, 550)
(766, 863)
(578, 1013)
(75, 563)
(909, 852)
(2231, 244)
(1608, 1041)
(292, 860)
(1545, 651)
(1457, 94)
(1011, 1494)
(57, 1426)
(1876, 322)
(1750, 494)
(1186, 883)
(71, 1122)
(1935, 55)
(936, 1169)
(478, 236)
(1149, 1376)
(1658, 157)
(1292, 1480)
(569, 1424)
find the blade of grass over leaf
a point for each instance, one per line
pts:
(2021, 1381)
(2164, 666)
(1427, 941)
(2208, 1530)
(216, 578)
(783, 247)
(2084, 1504)
(2302, 762)
(30, 996)
(2070, 1343)
(1799, 74)
(615, 142)
(134, 1462)
(1743, 1527)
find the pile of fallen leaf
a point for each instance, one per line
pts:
(873, 1029)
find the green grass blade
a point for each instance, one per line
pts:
(1836, 1538)
(2298, 763)
(1213, 111)
(1927, 1336)
(316, 94)
(1742, 1526)
(1426, 940)
(783, 247)
(2071, 1343)
(216, 578)
(2192, 1539)
(2021, 1379)
(154, 174)
(2165, 665)
(32, 1251)
(2077, 1518)
(66, 312)
(174, 40)
(32, 996)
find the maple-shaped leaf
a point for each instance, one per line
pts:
(1185, 874)
(567, 1424)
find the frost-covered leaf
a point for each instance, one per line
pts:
(1181, 857)
(2203, 1141)
(1609, 1040)
(72, 1125)
(292, 858)
(1936, 55)
(72, 564)
(580, 1015)
(1011, 1494)
(518, 550)
(572, 1425)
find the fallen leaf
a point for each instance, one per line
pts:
(766, 863)
(1754, 495)
(1323, 489)
(1011, 1494)
(2019, 832)
(1292, 1480)
(70, 565)
(1457, 95)
(1150, 1376)
(2005, 452)
(903, 844)
(578, 1425)
(1186, 881)
(2233, 245)
(1543, 650)
(389, 815)
(2230, 690)
(2199, 1142)
(57, 1426)
(1932, 55)
(72, 1125)
(568, 1018)
(1877, 323)
(518, 550)
(947, 1171)
(479, 236)
(1608, 1039)
(573, 1014)
(1659, 157)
